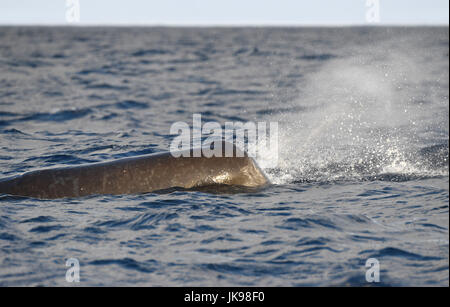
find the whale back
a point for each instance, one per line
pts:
(137, 175)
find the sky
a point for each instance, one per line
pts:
(225, 12)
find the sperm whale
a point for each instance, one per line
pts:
(136, 175)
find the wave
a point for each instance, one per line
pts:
(395, 166)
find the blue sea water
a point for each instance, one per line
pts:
(362, 166)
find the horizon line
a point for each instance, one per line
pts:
(225, 25)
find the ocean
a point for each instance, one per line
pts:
(361, 169)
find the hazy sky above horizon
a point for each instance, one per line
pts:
(225, 12)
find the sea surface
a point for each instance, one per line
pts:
(361, 169)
